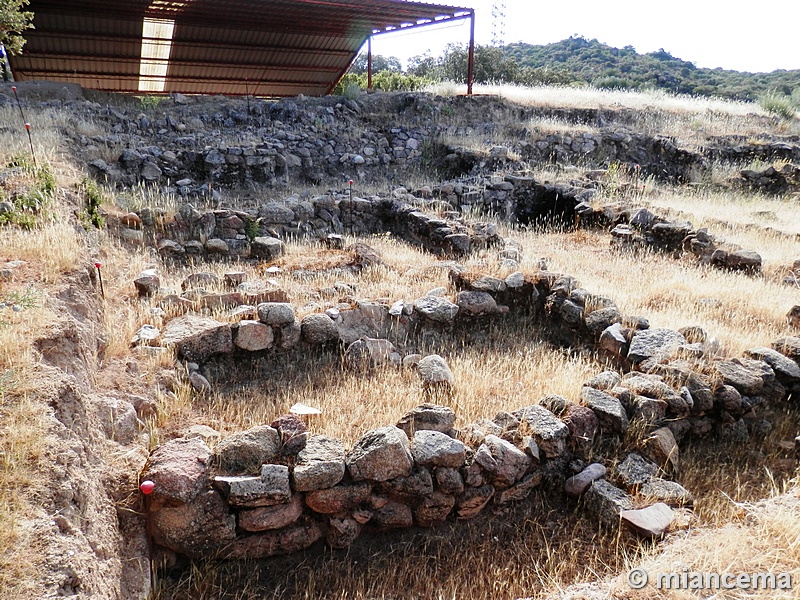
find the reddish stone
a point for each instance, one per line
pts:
(178, 470)
(272, 517)
(338, 499)
(582, 424)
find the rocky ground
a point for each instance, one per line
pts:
(214, 180)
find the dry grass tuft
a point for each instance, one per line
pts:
(763, 540)
(54, 247)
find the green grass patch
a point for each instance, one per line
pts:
(94, 198)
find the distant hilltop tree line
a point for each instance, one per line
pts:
(578, 61)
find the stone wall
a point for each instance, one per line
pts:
(275, 489)
(193, 145)
(257, 234)
(229, 233)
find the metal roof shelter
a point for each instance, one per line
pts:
(253, 47)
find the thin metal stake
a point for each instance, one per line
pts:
(19, 104)
(247, 97)
(30, 141)
(100, 279)
(351, 207)
(27, 125)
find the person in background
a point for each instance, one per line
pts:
(3, 63)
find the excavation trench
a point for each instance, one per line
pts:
(268, 491)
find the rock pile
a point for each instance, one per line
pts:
(771, 180)
(638, 227)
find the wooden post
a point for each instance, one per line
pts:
(369, 63)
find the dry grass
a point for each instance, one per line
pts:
(764, 539)
(55, 248)
(24, 425)
(737, 213)
(501, 369)
(740, 310)
(690, 119)
(588, 97)
(47, 134)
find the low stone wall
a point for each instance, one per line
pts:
(189, 147)
(657, 157)
(227, 233)
(744, 149)
(221, 234)
(275, 489)
(785, 180)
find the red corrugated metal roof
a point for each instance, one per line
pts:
(260, 47)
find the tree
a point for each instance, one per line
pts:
(491, 66)
(13, 22)
(424, 65)
(379, 63)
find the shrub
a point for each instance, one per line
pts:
(779, 105)
(150, 102)
(351, 84)
(613, 83)
(94, 200)
(28, 207)
(352, 91)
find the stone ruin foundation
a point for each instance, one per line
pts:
(275, 489)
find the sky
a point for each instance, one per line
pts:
(709, 33)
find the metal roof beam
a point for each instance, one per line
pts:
(68, 35)
(38, 57)
(426, 23)
(217, 80)
(270, 15)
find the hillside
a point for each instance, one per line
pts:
(595, 63)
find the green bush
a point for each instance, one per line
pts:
(150, 102)
(352, 91)
(779, 105)
(94, 196)
(386, 81)
(613, 83)
(30, 206)
(252, 228)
